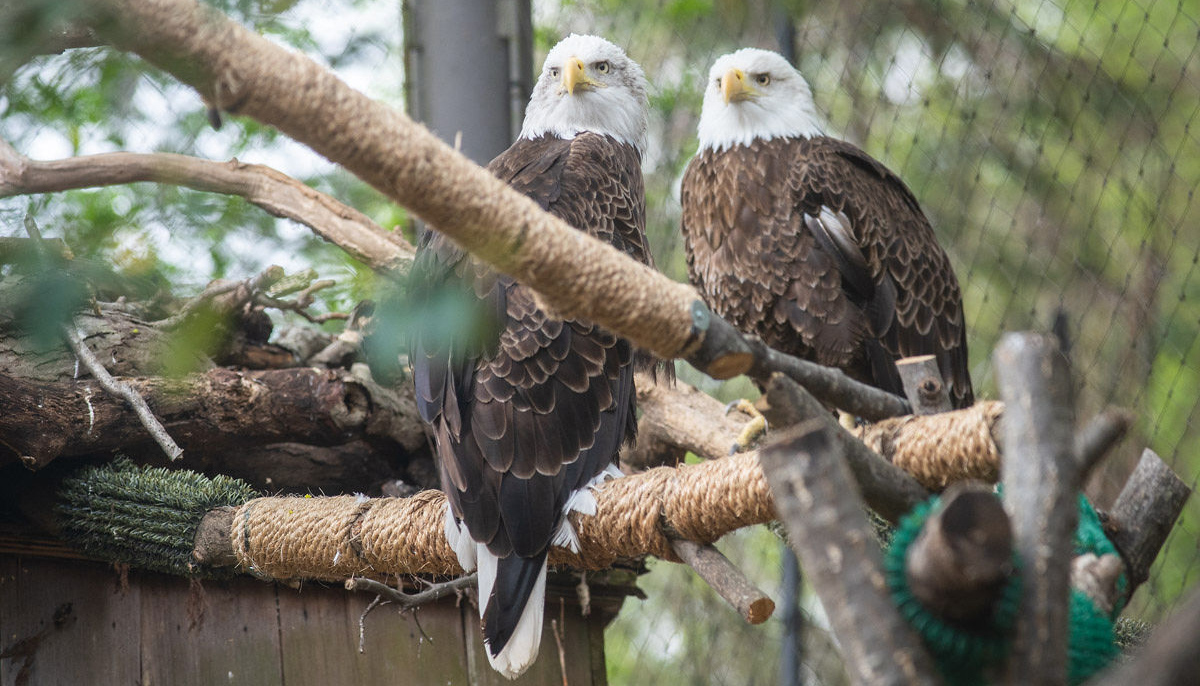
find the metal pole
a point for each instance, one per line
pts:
(469, 70)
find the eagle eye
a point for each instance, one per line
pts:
(762, 79)
(602, 67)
(554, 72)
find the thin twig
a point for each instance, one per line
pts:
(410, 601)
(558, 638)
(123, 391)
(301, 303)
(362, 628)
(213, 290)
(107, 382)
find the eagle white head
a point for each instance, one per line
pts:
(588, 84)
(754, 94)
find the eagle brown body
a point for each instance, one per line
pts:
(756, 221)
(539, 407)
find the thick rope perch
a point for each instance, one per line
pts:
(940, 449)
(338, 537)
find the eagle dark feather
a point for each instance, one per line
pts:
(759, 253)
(537, 407)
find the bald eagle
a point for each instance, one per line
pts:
(809, 242)
(526, 419)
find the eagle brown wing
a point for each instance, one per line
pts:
(824, 253)
(533, 409)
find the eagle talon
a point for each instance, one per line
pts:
(754, 429)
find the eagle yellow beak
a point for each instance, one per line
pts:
(734, 87)
(574, 77)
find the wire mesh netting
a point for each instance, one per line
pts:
(1054, 147)
(1053, 143)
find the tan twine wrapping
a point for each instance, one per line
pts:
(940, 449)
(337, 537)
(341, 536)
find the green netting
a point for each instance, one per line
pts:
(967, 657)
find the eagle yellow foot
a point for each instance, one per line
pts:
(848, 421)
(754, 430)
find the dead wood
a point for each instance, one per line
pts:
(675, 420)
(828, 529)
(1041, 479)
(219, 410)
(1094, 441)
(927, 393)
(726, 579)
(277, 193)
(886, 489)
(1144, 513)
(959, 564)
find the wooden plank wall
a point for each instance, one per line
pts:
(76, 622)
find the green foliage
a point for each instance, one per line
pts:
(93, 100)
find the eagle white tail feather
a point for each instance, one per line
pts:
(461, 542)
(522, 649)
(583, 501)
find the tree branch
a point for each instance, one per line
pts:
(123, 391)
(726, 579)
(411, 601)
(218, 410)
(1041, 483)
(1144, 514)
(815, 497)
(273, 191)
(887, 489)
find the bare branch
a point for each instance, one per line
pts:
(123, 391)
(106, 381)
(273, 191)
(829, 385)
(1095, 439)
(726, 579)
(1144, 513)
(887, 489)
(815, 497)
(411, 601)
(1041, 484)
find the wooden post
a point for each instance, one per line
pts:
(1041, 483)
(1144, 513)
(960, 563)
(815, 498)
(923, 385)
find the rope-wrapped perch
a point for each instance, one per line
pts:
(337, 537)
(341, 536)
(940, 449)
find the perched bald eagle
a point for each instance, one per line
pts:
(809, 242)
(526, 418)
